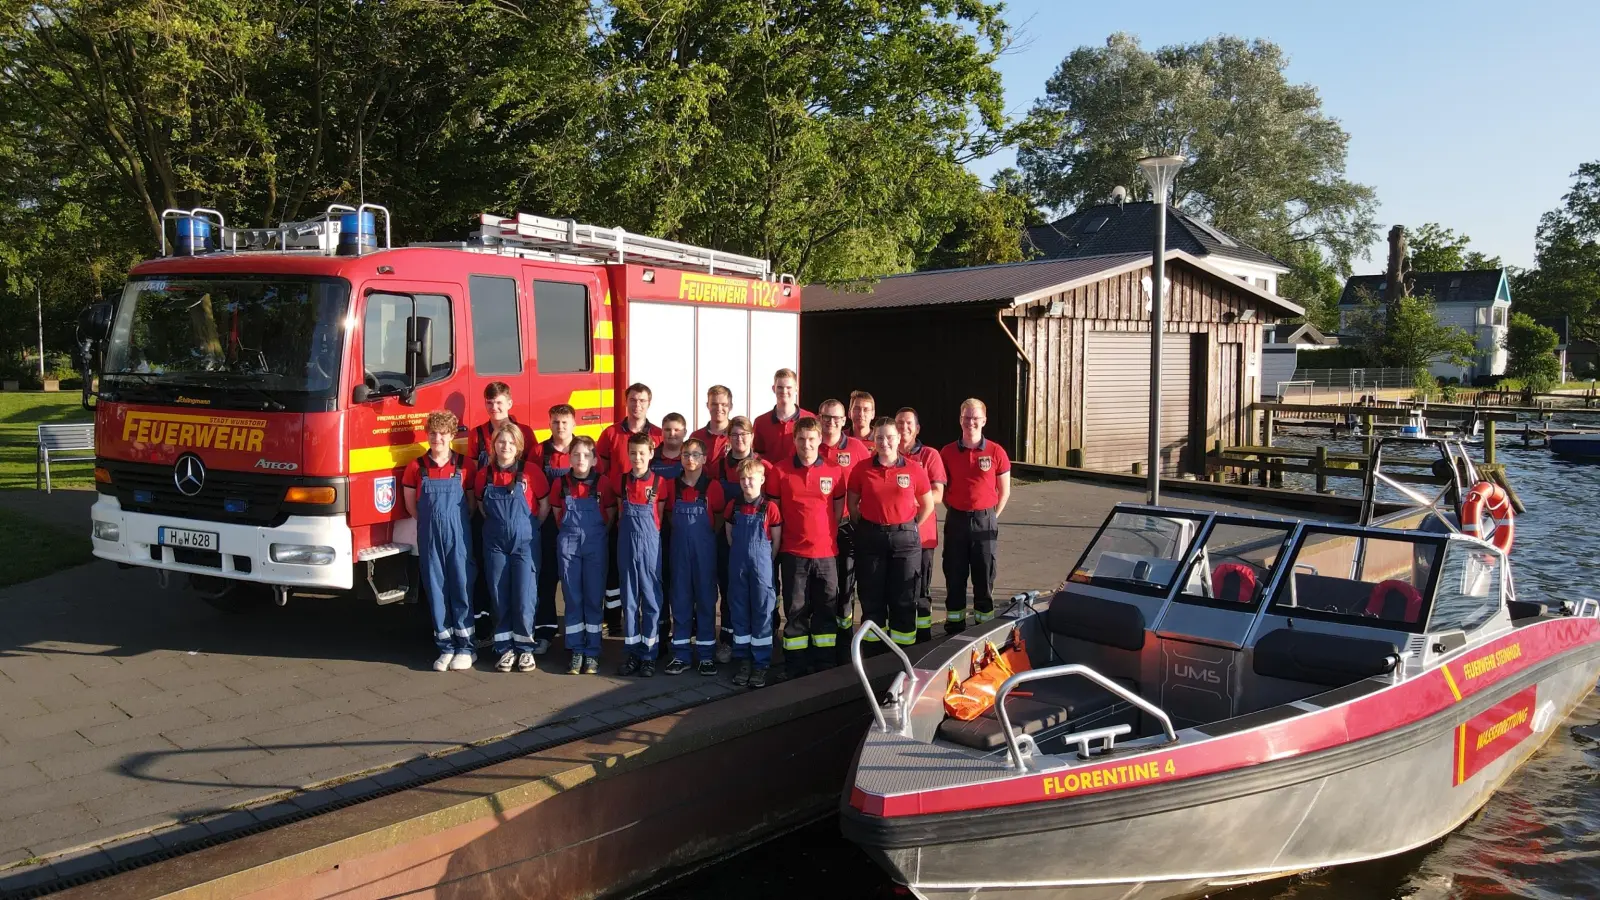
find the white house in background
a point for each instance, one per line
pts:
(1280, 347)
(1113, 228)
(1476, 301)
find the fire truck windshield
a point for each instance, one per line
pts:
(229, 341)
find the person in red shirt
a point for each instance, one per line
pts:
(581, 503)
(553, 455)
(694, 507)
(511, 496)
(810, 495)
(889, 499)
(912, 448)
(641, 494)
(725, 469)
(719, 404)
(863, 409)
(846, 452)
(980, 487)
(754, 530)
(436, 497)
(497, 403)
(775, 427)
(612, 452)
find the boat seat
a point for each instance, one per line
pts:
(1054, 702)
(1333, 660)
(1111, 623)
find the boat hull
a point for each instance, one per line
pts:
(1383, 795)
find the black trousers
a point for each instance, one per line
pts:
(844, 607)
(544, 611)
(887, 562)
(925, 596)
(725, 631)
(970, 539)
(482, 605)
(811, 588)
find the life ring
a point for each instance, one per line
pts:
(1488, 497)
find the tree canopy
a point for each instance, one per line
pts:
(1406, 333)
(1435, 248)
(1565, 278)
(1530, 351)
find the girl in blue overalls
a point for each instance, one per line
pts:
(754, 528)
(582, 505)
(436, 498)
(695, 505)
(511, 496)
(640, 495)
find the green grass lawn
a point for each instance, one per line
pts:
(34, 549)
(21, 414)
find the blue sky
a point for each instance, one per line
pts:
(1470, 114)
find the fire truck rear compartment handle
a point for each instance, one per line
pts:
(592, 417)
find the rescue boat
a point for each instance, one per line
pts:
(1211, 700)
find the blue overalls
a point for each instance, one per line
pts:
(667, 468)
(670, 470)
(510, 542)
(549, 571)
(639, 569)
(444, 548)
(730, 491)
(751, 597)
(692, 567)
(581, 557)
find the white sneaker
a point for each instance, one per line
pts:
(444, 661)
(463, 661)
(526, 662)
(506, 661)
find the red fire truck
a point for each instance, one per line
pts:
(261, 389)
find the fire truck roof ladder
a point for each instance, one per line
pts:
(567, 238)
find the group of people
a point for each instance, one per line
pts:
(709, 543)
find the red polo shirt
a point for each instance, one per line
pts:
(611, 448)
(974, 474)
(411, 477)
(805, 496)
(689, 493)
(930, 460)
(773, 436)
(774, 517)
(848, 454)
(551, 459)
(595, 485)
(716, 444)
(889, 493)
(534, 484)
(650, 488)
(479, 438)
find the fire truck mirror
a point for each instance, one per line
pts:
(94, 323)
(419, 354)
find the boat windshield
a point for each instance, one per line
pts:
(253, 342)
(1360, 577)
(1137, 551)
(1234, 565)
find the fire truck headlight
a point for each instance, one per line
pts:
(302, 554)
(107, 531)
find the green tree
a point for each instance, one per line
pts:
(1313, 283)
(1267, 164)
(1435, 248)
(1407, 334)
(988, 230)
(1531, 353)
(1565, 278)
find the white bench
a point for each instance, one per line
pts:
(55, 440)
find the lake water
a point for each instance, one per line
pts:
(1538, 837)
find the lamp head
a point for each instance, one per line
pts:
(1161, 171)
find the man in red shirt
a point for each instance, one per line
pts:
(912, 448)
(775, 427)
(846, 452)
(719, 405)
(810, 495)
(611, 451)
(553, 456)
(980, 487)
(863, 409)
(889, 499)
(497, 403)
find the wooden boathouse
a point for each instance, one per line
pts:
(1058, 349)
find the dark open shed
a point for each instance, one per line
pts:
(1058, 349)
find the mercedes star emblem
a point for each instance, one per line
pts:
(189, 475)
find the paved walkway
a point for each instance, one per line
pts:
(133, 717)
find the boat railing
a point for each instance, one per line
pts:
(1015, 743)
(904, 682)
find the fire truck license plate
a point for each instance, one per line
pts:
(183, 537)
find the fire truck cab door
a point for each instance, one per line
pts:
(570, 353)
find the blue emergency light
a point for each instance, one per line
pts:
(358, 233)
(194, 236)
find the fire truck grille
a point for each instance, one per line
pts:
(238, 497)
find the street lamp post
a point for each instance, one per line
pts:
(1160, 172)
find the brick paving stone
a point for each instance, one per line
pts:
(342, 681)
(109, 758)
(198, 674)
(56, 723)
(179, 835)
(41, 748)
(274, 812)
(65, 792)
(612, 716)
(13, 856)
(516, 686)
(102, 835)
(57, 821)
(132, 848)
(396, 712)
(311, 735)
(399, 743)
(24, 877)
(70, 864)
(224, 731)
(160, 700)
(428, 768)
(143, 666)
(272, 679)
(313, 801)
(417, 685)
(180, 764)
(169, 799)
(19, 707)
(290, 769)
(77, 695)
(466, 759)
(639, 711)
(127, 729)
(327, 707)
(256, 703)
(20, 775)
(228, 822)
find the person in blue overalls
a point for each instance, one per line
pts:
(581, 501)
(511, 495)
(551, 456)
(753, 528)
(437, 499)
(640, 495)
(668, 463)
(695, 507)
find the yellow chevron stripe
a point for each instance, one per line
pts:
(593, 431)
(592, 399)
(393, 456)
(605, 363)
(602, 329)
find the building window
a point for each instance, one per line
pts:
(496, 333)
(561, 323)
(1499, 315)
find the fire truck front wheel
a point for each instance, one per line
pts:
(229, 595)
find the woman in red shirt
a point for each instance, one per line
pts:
(889, 498)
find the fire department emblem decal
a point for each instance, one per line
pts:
(985, 463)
(825, 484)
(844, 459)
(903, 480)
(383, 494)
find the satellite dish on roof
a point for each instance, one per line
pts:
(1119, 195)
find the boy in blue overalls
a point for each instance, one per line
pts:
(640, 494)
(436, 497)
(581, 501)
(551, 455)
(511, 496)
(668, 463)
(754, 527)
(694, 508)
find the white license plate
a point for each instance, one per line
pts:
(192, 540)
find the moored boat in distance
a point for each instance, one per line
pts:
(1211, 700)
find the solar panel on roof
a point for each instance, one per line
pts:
(1094, 225)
